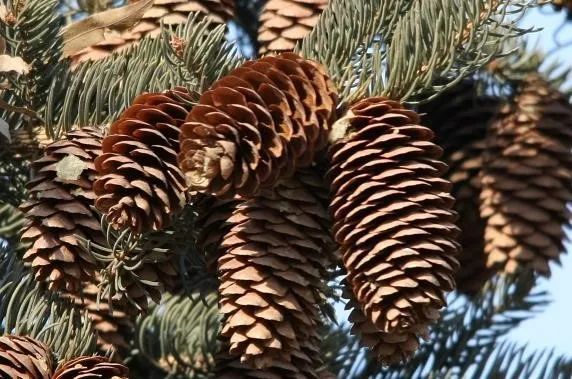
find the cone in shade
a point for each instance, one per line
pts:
(527, 179)
(94, 367)
(259, 123)
(285, 22)
(24, 358)
(141, 187)
(59, 210)
(393, 220)
(460, 119)
(111, 324)
(270, 267)
(168, 12)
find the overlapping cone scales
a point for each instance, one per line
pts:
(460, 120)
(168, 12)
(91, 368)
(58, 211)
(393, 219)
(284, 22)
(394, 347)
(24, 357)
(141, 187)
(527, 179)
(259, 123)
(270, 270)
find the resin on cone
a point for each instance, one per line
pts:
(141, 187)
(271, 266)
(59, 210)
(94, 367)
(24, 357)
(168, 12)
(460, 119)
(259, 123)
(393, 219)
(285, 22)
(527, 179)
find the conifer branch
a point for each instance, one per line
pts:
(28, 309)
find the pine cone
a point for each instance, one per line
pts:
(261, 122)
(270, 268)
(169, 12)
(59, 210)
(284, 22)
(110, 322)
(24, 358)
(460, 119)
(393, 219)
(91, 368)
(527, 179)
(141, 186)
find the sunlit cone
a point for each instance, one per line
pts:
(58, 210)
(168, 12)
(271, 266)
(94, 367)
(392, 219)
(460, 120)
(24, 358)
(141, 187)
(111, 324)
(527, 179)
(284, 22)
(261, 122)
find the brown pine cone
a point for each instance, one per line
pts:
(460, 120)
(259, 123)
(271, 267)
(284, 22)
(59, 211)
(168, 12)
(141, 187)
(393, 219)
(527, 179)
(24, 358)
(91, 368)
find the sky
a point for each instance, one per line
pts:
(551, 328)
